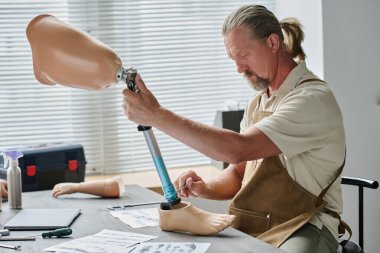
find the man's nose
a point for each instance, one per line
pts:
(241, 68)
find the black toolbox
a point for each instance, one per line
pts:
(46, 165)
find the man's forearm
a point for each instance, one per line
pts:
(210, 141)
(226, 184)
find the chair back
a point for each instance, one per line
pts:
(350, 246)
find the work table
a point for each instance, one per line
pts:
(95, 217)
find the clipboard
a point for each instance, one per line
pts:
(43, 219)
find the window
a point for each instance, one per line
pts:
(176, 46)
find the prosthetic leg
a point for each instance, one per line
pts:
(67, 56)
(128, 76)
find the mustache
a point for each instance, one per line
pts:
(249, 73)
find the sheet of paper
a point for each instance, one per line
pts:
(171, 247)
(109, 241)
(137, 218)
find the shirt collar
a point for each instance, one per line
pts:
(290, 81)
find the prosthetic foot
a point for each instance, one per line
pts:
(187, 218)
(107, 188)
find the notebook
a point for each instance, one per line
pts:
(42, 219)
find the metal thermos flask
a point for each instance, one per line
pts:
(14, 185)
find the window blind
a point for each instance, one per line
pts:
(178, 49)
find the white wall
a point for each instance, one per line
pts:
(351, 66)
(309, 13)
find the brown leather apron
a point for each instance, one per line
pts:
(270, 204)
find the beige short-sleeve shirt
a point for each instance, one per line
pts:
(307, 126)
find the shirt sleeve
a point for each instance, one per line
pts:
(298, 125)
(246, 121)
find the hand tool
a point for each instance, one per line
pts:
(10, 246)
(6, 238)
(181, 188)
(123, 206)
(60, 232)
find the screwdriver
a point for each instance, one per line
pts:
(58, 233)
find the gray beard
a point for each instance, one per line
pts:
(260, 84)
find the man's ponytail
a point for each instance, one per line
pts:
(293, 37)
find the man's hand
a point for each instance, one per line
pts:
(191, 185)
(141, 107)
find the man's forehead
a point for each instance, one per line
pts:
(237, 38)
(235, 47)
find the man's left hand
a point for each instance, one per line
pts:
(141, 107)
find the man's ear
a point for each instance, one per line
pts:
(273, 42)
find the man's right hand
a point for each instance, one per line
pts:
(195, 186)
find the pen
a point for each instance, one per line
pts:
(17, 239)
(10, 246)
(132, 205)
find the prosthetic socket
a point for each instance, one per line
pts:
(67, 56)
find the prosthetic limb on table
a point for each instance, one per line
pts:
(107, 188)
(67, 56)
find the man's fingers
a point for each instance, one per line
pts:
(195, 188)
(189, 184)
(175, 184)
(184, 194)
(140, 83)
(127, 92)
(140, 86)
(182, 179)
(192, 188)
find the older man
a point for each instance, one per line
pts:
(286, 163)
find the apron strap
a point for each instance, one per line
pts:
(257, 102)
(311, 80)
(257, 99)
(343, 226)
(322, 194)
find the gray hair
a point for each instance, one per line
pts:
(261, 22)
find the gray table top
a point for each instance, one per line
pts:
(95, 217)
